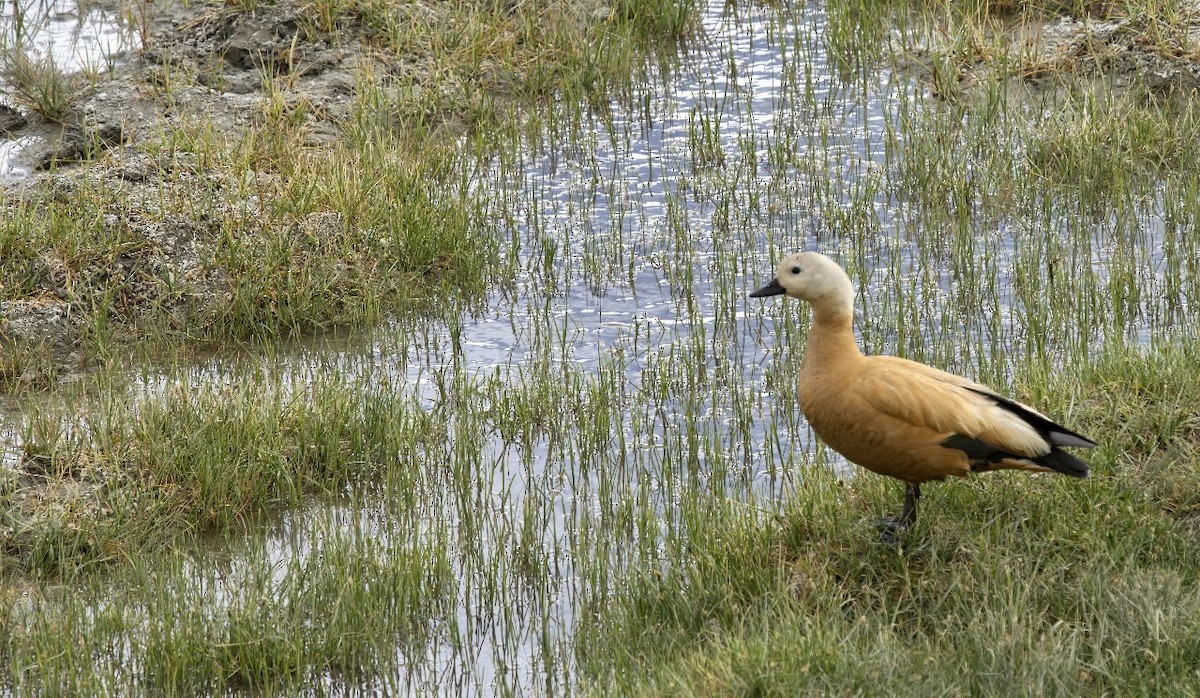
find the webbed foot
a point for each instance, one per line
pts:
(893, 529)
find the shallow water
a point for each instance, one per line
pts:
(638, 230)
(633, 266)
(74, 37)
(624, 274)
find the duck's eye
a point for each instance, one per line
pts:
(795, 270)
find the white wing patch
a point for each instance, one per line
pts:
(948, 404)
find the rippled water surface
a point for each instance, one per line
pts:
(635, 267)
(638, 230)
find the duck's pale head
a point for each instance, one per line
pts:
(812, 277)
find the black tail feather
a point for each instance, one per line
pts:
(1064, 463)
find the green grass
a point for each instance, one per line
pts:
(194, 536)
(1048, 585)
(1041, 583)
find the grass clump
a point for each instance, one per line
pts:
(370, 237)
(25, 365)
(337, 241)
(106, 482)
(1035, 582)
(1102, 142)
(262, 623)
(37, 83)
(656, 19)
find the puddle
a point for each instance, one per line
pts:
(75, 38)
(635, 271)
(13, 167)
(626, 277)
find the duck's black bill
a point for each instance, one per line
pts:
(771, 289)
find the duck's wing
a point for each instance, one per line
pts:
(956, 407)
(1057, 434)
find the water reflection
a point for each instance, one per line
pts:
(72, 37)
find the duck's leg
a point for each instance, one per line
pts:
(908, 516)
(890, 529)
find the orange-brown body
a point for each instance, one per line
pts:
(890, 415)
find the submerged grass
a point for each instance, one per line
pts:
(132, 525)
(998, 220)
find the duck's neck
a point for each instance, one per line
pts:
(831, 337)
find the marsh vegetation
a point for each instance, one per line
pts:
(447, 380)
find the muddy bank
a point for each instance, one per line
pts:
(158, 156)
(205, 66)
(1110, 51)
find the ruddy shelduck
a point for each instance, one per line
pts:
(900, 418)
